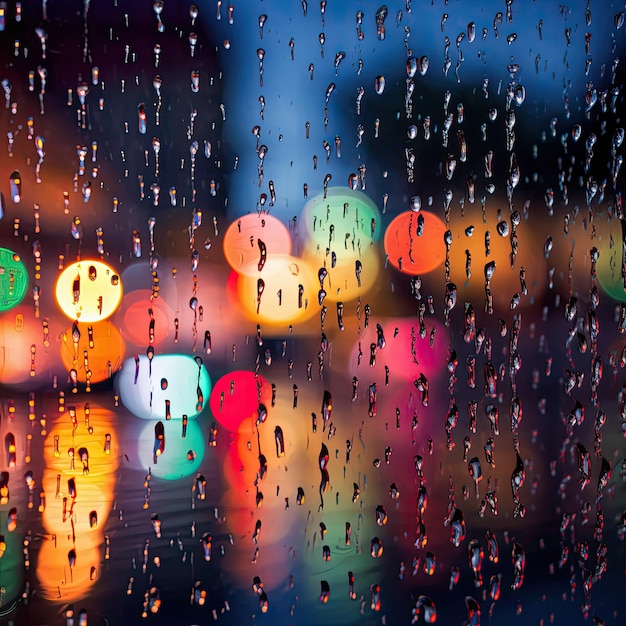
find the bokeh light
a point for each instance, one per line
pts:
(406, 354)
(165, 387)
(236, 396)
(343, 216)
(99, 350)
(19, 332)
(13, 279)
(412, 253)
(11, 564)
(485, 245)
(288, 291)
(341, 231)
(145, 320)
(75, 581)
(241, 241)
(88, 290)
(175, 462)
(75, 450)
(611, 252)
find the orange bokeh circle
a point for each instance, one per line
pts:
(283, 274)
(241, 247)
(104, 358)
(411, 253)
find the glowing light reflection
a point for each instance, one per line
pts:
(168, 387)
(235, 397)
(241, 241)
(100, 350)
(88, 290)
(13, 279)
(412, 253)
(289, 291)
(174, 463)
(67, 520)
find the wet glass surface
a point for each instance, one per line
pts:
(312, 313)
